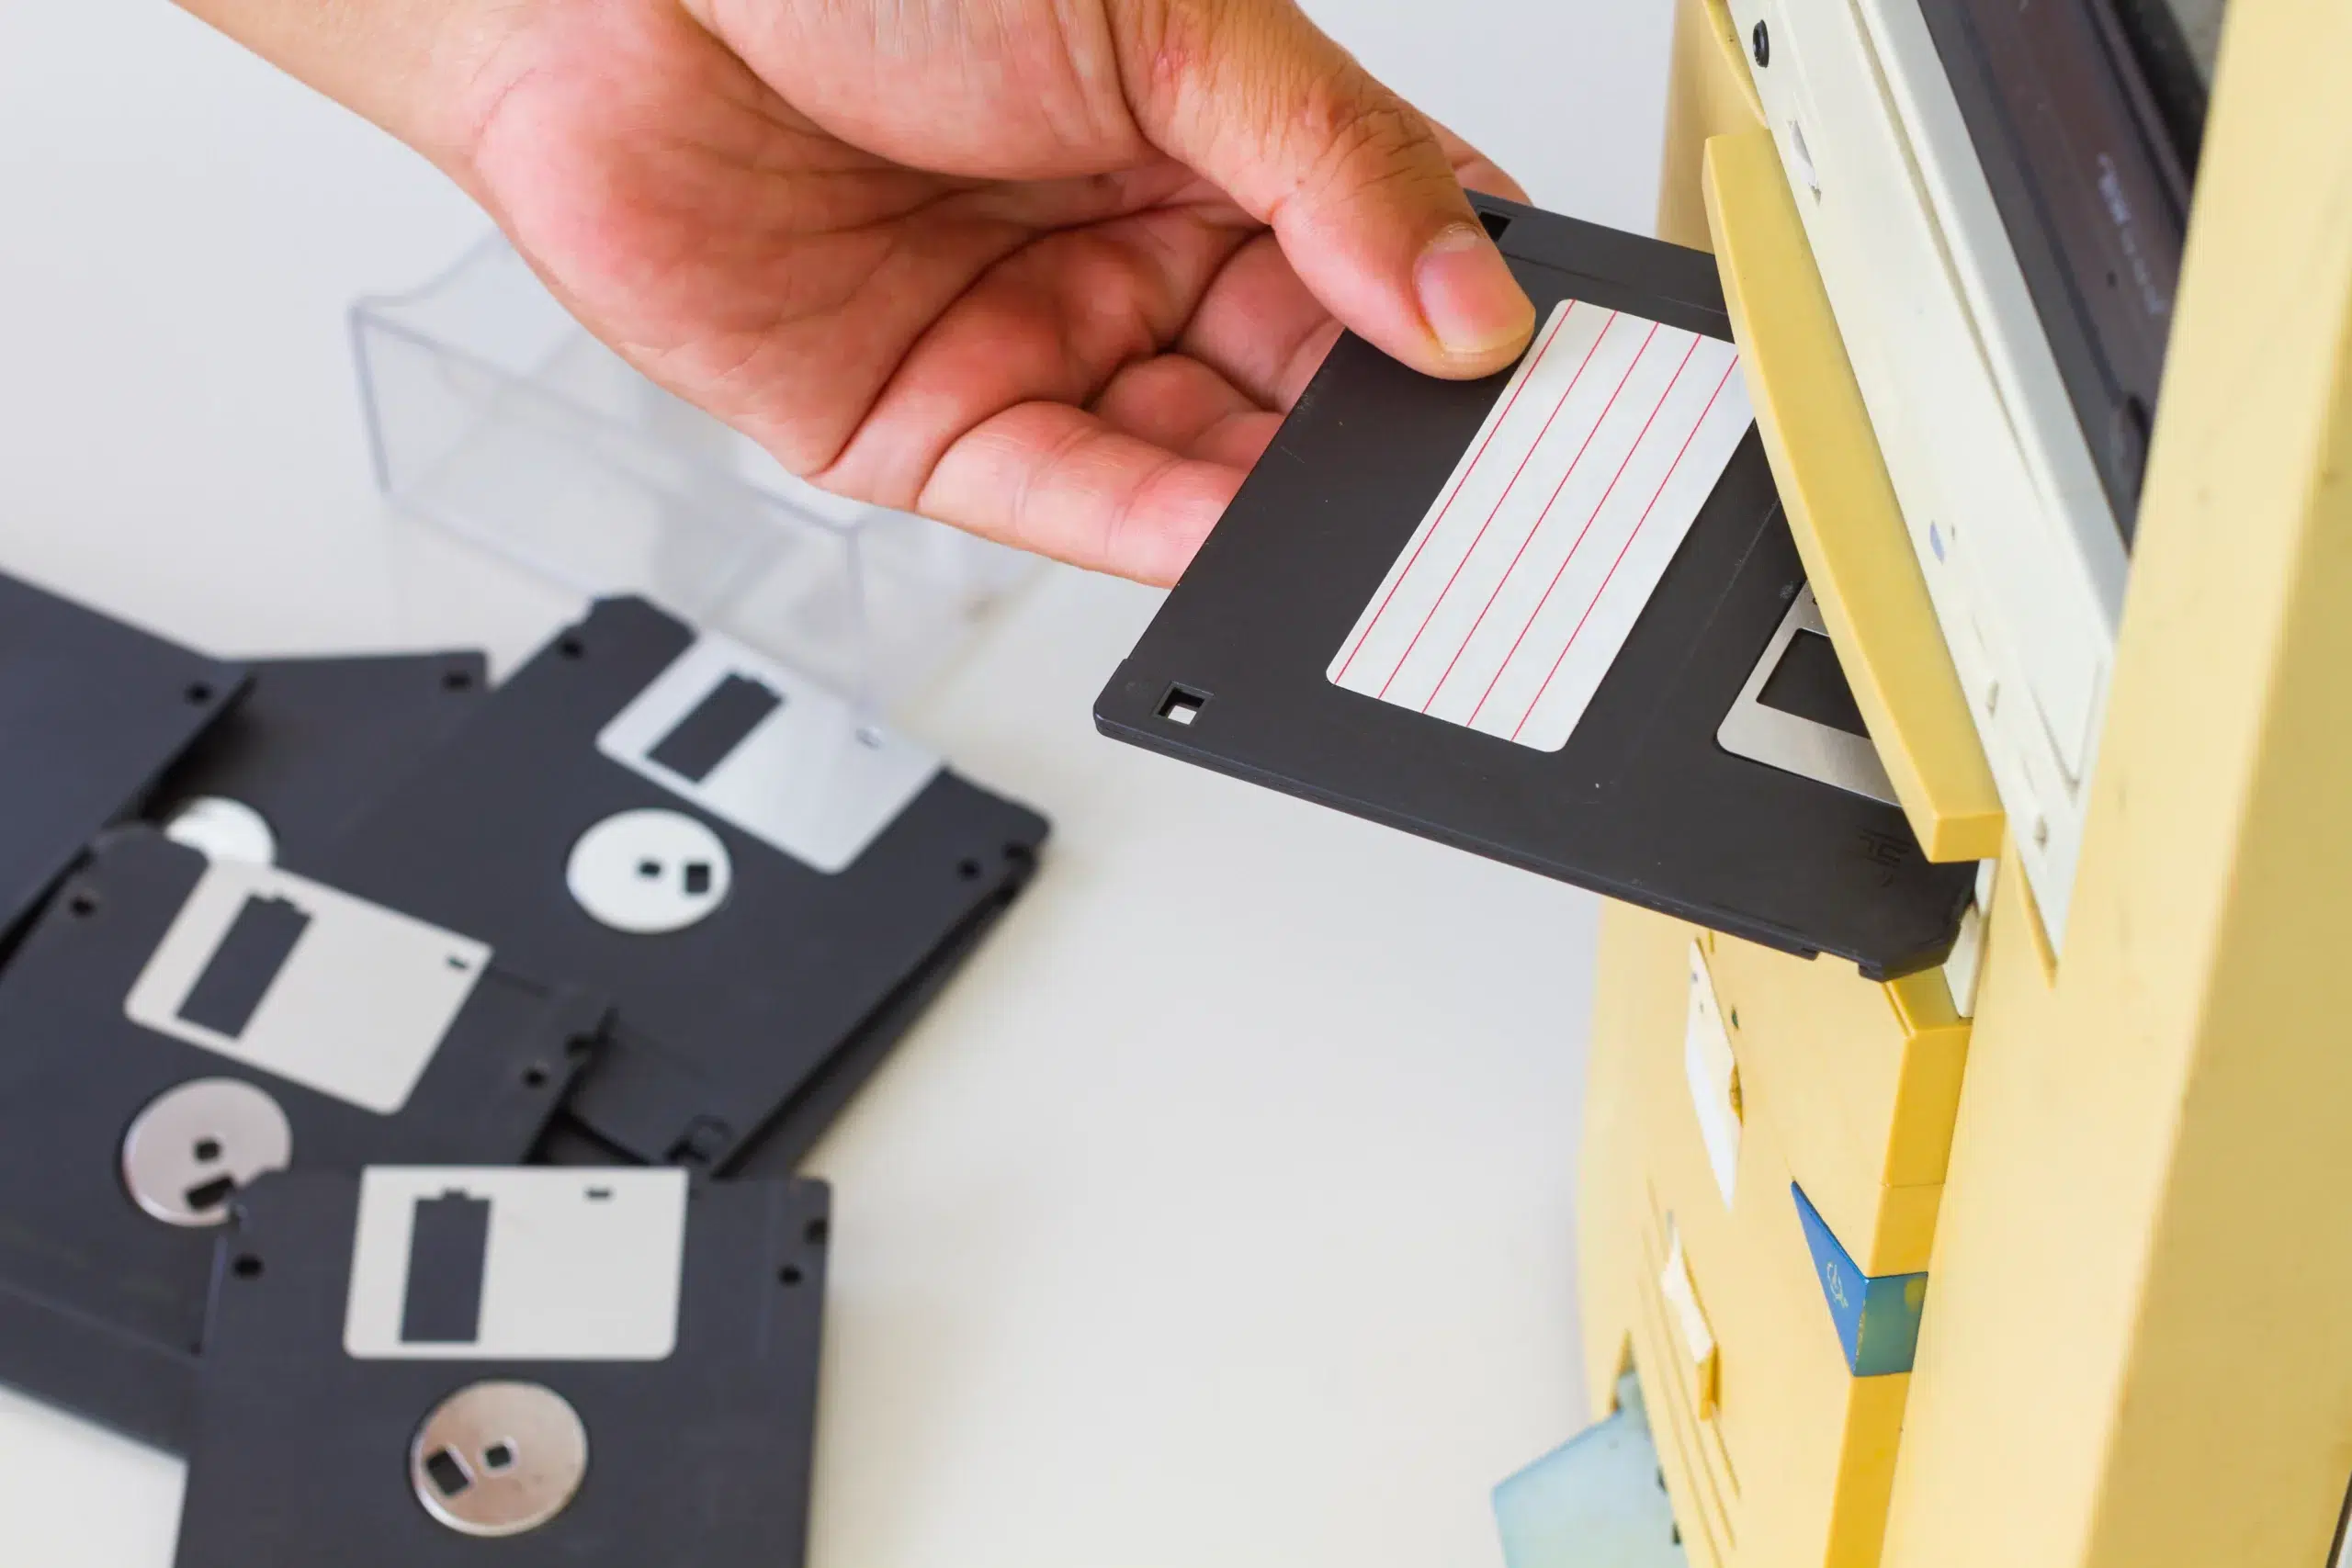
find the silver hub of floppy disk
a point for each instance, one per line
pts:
(649, 871)
(223, 829)
(499, 1458)
(186, 1155)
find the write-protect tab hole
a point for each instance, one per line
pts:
(1182, 704)
(448, 1472)
(1494, 223)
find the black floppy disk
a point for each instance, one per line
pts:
(92, 712)
(784, 1142)
(422, 1366)
(312, 743)
(1554, 617)
(174, 1026)
(749, 868)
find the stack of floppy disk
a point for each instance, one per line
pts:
(400, 1079)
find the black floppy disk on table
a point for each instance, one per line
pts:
(92, 712)
(1554, 617)
(310, 745)
(418, 1367)
(752, 871)
(172, 1027)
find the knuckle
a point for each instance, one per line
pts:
(1367, 139)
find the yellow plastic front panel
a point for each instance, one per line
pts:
(1794, 1467)
(2136, 1351)
(1860, 1082)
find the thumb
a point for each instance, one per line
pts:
(1353, 181)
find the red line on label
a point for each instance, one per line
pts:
(1480, 536)
(1629, 540)
(1538, 526)
(1631, 452)
(1370, 625)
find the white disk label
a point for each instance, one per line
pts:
(1512, 600)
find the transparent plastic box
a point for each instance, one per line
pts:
(496, 416)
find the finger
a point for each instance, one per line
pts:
(1057, 479)
(1053, 322)
(1259, 327)
(1237, 440)
(1170, 400)
(1355, 182)
(1177, 403)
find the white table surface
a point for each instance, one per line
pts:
(1221, 1212)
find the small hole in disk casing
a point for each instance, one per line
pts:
(448, 1472)
(247, 1267)
(211, 1195)
(1182, 704)
(789, 1274)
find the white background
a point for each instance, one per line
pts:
(1221, 1212)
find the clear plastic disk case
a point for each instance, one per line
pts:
(496, 416)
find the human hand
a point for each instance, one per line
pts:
(1046, 269)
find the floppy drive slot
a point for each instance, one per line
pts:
(1513, 615)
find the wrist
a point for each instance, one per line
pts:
(429, 72)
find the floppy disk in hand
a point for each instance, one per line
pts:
(1554, 617)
